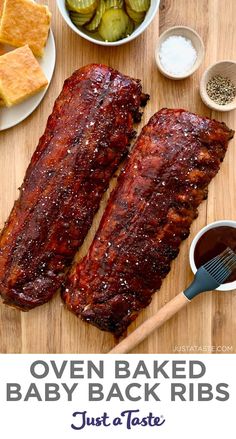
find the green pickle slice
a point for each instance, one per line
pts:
(130, 28)
(139, 5)
(114, 24)
(114, 4)
(137, 17)
(98, 16)
(80, 19)
(113, 19)
(82, 6)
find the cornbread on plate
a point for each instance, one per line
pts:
(25, 22)
(1, 6)
(20, 76)
(2, 49)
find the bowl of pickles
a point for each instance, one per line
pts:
(108, 22)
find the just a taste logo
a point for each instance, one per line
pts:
(87, 381)
(128, 418)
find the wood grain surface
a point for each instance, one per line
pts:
(209, 322)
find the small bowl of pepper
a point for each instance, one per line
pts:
(218, 86)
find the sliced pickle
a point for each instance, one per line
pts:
(129, 28)
(138, 5)
(114, 24)
(82, 6)
(98, 16)
(137, 17)
(80, 19)
(114, 4)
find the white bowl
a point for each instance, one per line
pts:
(190, 34)
(89, 36)
(224, 287)
(226, 69)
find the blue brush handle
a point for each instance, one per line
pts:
(203, 281)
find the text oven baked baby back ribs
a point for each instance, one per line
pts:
(85, 139)
(148, 215)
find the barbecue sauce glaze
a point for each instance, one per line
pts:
(213, 242)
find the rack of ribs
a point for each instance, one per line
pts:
(148, 215)
(86, 137)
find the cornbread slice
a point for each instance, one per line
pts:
(25, 22)
(1, 6)
(20, 76)
(2, 49)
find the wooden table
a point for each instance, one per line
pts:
(210, 321)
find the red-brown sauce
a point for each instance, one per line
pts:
(213, 242)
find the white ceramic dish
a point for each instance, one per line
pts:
(186, 32)
(224, 287)
(89, 36)
(226, 69)
(16, 114)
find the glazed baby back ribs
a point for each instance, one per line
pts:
(148, 215)
(85, 139)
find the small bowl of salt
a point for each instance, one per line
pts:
(179, 52)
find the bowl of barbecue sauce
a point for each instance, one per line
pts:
(209, 242)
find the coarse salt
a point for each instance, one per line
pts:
(177, 55)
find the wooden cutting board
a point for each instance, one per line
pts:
(210, 321)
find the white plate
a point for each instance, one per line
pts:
(14, 115)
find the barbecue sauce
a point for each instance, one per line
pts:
(213, 242)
